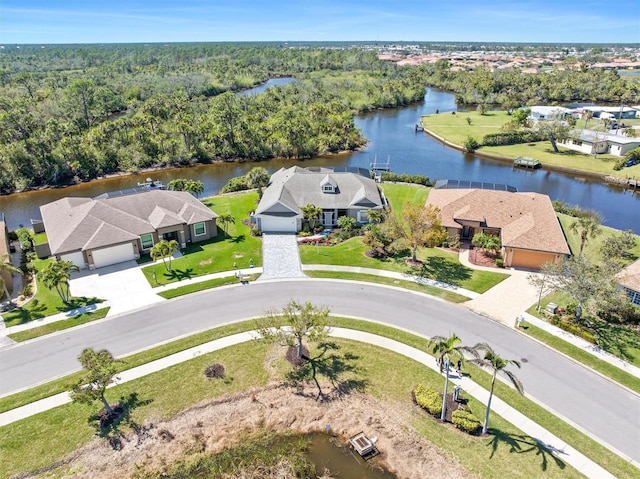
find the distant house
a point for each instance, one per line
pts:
(629, 280)
(337, 193)
(596, 142)
(525, 223)
(611, 112)
(96, 232)
(539, 113)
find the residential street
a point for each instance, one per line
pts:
(581, 396)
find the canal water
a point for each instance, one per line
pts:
(392, 136)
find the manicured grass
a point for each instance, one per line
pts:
(399, 194)
(371, 278)
(437, 264)
(41, 439)
(44, 303)
(60, 325)
(40, 238)
(212, 283)
(603, 367)
(166, 392)
(219, 253)
(455, 129)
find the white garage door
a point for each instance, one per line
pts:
(112, 255)
(279, 224)
(76, 258)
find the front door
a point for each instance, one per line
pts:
(328, 218)
(172, 235)
(466, 232)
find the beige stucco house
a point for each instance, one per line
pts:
(337, 193)
(629, 280)
(96, 232)
(525, 222)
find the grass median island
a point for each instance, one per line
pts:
(203, 285)
(236, 247)
(44, 438)
(60, 325)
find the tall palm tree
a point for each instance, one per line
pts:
(5, 265)
(311, 213)
(164, 249)
(258, 177)
(492, 361)
(447, 350)
(56, 275)
(225, 220)
(587, 226)
(195, 187)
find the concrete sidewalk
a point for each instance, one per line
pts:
(549, 442)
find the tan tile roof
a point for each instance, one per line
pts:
(630, 276)
(74, 224)
(526, 220)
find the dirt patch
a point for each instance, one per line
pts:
(212, 426)
(480, 258)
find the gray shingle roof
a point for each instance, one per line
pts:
(295, 187)
(74, 224)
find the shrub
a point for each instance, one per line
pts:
(574, 329)
(512, 138)
(466, 421)
(239, 183)
(254, 230)
(25, 238)
(471, 144)
(405, 178)
(214, 371)
(427, 398)
(499, 262)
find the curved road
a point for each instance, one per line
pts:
(599, 406)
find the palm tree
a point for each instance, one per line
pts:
(375, 216)
(258, 177)
(496, 363)
(311, 213)
(56, 275)
(5, 265)
(225, 220)
(195, 187)
(587, 226)
(446, 350)
(164, 249)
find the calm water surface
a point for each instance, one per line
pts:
(392, 136)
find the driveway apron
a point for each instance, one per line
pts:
(280, 257)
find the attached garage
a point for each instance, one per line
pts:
(530, 259)
(76, 258)
(113, 255)
(278, 224)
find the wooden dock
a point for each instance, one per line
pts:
(419, 127)
(525, 162)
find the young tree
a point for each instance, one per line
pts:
(554, 131)
(258, 177)
(495, 363)
(618, 246)
(56, 275)
(5, 265)
(102, 368)
(587, 226)
(164, 249)
(300, 320)
(447, 350)
(419, 226)
(225, 220)
(311, 213)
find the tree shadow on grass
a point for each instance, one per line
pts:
(331, 366)
(442, 269)
(113, 432)
(24, 315)
(522, 444)
(179, 274)
(238, 239)
(615, 339)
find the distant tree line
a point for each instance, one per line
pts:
(73, 113)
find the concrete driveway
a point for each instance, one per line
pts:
(122, 285)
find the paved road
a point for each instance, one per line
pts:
(600, 407)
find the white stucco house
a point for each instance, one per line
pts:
(591, 142)
(337, 192)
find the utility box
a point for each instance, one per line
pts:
(552, 308)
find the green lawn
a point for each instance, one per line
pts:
(399, 194)
(211, 283)
(41, 439)
(455, 129)
(437, 264)
(60, 325)
(44, 303)
(217, 254)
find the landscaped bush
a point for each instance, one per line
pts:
(405, 178)
(25, 238)
(466, 421)
(499, 262)
(239, 183)
(512, 138)
(471, 144)
(427, 398)
(574, 329)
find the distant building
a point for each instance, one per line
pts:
(629, 281)
(539, 113)
(597, 142)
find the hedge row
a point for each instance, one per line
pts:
(466, 421)
(405, 178)
(574, 329)
(512, 138)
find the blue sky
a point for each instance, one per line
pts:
(119, 21)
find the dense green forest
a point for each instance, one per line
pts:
(76, 112)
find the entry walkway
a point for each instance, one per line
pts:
(280, 257)
(546, 439)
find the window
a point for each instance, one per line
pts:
(634, 296)
(199, 229)
(327, 188)
(146, 241)
(363, 216)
